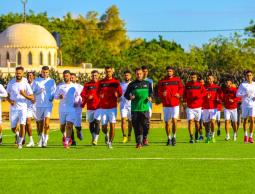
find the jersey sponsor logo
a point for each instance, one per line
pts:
(212, 89)
(169, 83)
(109, 85)
(91, 87)
(193, 87)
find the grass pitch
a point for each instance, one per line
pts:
(222, 167)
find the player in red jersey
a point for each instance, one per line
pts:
(90, 97)
(230, 112)
(210, 103)
(193, 99)
(109, 92)
(170, 90)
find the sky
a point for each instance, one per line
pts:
(156, 15)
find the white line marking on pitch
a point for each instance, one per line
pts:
(109, 159)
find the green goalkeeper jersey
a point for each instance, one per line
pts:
(141, 90)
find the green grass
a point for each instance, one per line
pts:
(177, 174)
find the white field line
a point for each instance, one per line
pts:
(120, 159)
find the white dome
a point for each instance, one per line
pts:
(26, 35)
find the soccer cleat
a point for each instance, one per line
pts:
(94, 143)
(145, 142)
(66, 145)
(251, 140)
(218, 132)
(245, 139)
(44, 144)
(79, 135)
(109, 145)
(213, 140)
(125, 139)
(173, 141)
(169, 142)
(20, 146)
(31, 144)
(1, 141)
(139, 145)
(207, 140)
(227, 138)
(201, 138)
(129, 138)
(73, 143)
(191, 141)
(234, 138)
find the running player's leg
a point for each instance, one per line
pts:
(136, 122)
(22, 120)
(218, 122)
(14, 118)
(245, 116)
(46, 130)
(212, 125)
(252, 119)
(68, 128)
(227, 118)
(166, 111)
(28, 128)
(112, 114)
(145, 122)
(123, 129)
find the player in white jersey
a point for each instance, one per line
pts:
(78, 108)
(31, 110)
(67, 94)
(125, 108)
(19, 91)
(3, 93)
(44, 95)
(247, 92)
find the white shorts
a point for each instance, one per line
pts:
(209, 114)
(31, 113)
(78, 117)
(18, 116)
(248, 112)
(230, 114)
(126, 113)
(171, 113)
(66, 117)
(108, 115)
(194, 113)
(218, 115)
(90, 115)
(43, 112)
(97, 114)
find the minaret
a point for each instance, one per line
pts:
(24, 2)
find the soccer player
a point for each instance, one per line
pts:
(67, 93)
(193, 97)
(78, 109)
(201, 123)
(170, 90)
(31, 110)
(140, 93)
(230, 112)
(19, 91)
(125, 108)
(90, 97)
(109, 92)
(3, 93)
(210, 103)
(44, 95)
(246, 91)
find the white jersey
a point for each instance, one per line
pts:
(44, 92)
(247, 92)
(124, 103)
(151, 82)
(69, 93)
(78, 99)
(31, 105)
(14, 88)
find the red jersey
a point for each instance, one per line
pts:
(193, 94)
(229, 94)
(90, 89)
(219, 106)
(168, 88)
(212, 97)
(107, 90)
